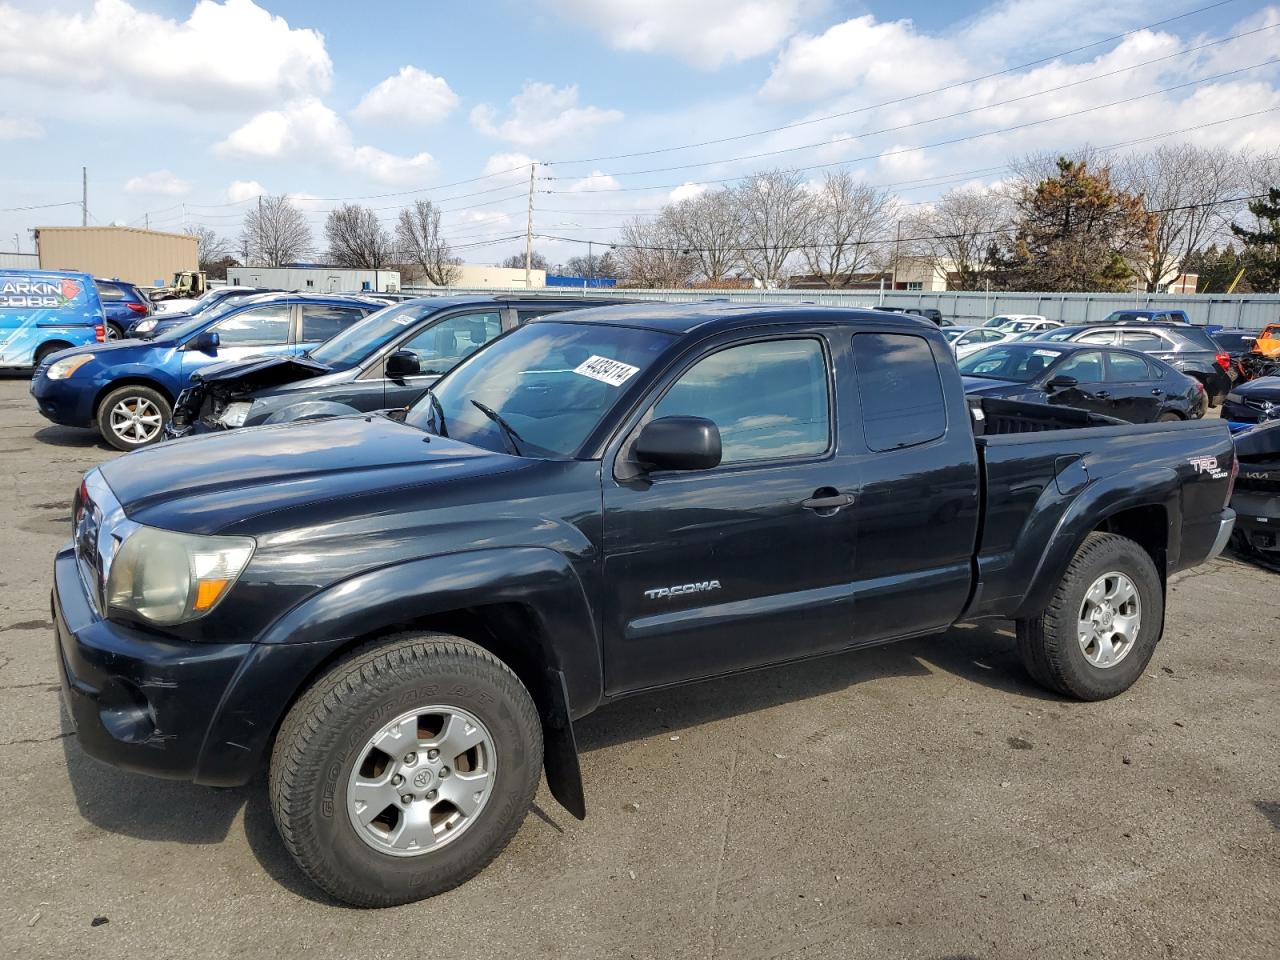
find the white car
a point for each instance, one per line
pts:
(974, 338)
(1021, 322)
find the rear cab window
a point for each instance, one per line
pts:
(899, 390)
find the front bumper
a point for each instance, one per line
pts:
(62, 401)
(139, 701)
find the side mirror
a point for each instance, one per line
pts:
(678, 443)
(206, 342)
(1062, 382)
(403, 363)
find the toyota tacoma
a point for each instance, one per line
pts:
(403, 616)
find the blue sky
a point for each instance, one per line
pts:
(184, 112)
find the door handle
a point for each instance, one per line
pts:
(827, 500)
(1102, 395)
(1158, 392)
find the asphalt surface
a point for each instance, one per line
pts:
(919, 800)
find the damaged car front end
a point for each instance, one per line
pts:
(222, 397)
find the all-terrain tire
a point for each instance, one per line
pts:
(327, 731)
(1049, 644)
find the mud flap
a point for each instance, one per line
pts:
(560, 749)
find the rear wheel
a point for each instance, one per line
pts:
(1102, 624)
(405, 770)
(1168, 417)
(133, 416)
(45, 349)
(114, 331)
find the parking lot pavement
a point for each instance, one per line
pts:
(920, 800)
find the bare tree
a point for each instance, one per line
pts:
(851, 224)
(955, 233)
(777, 213)
(356, 238)
(709, 226)
(210, 248)
(1187, 185)
(422, 244)
(652, 254)
(276, 232)
(536, 262)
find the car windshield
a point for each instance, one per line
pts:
(996, 322)
(550, 383)
(359, 340)
(1020, 363)
(1060, 333)
(954, 333)
(1019, 326)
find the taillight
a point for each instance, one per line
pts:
(1224, 361)
(100, 333)
(1231, 482)
(138, 308)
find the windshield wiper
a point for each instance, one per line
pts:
(508, 431)
(437, 414)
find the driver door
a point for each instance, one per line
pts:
(709, 571)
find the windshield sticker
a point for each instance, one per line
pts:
(404, 321)
(1045, 353)
(613, 372)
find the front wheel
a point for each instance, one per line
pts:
(133, 416)
(1102, 624)
(405, 770)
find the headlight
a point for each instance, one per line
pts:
(169, 578)
(235, 414)
(1235, 398)
(145, 326)
(67, 366)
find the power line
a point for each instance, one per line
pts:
(905, 99)
(40, 206)
(972, 110)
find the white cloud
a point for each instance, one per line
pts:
(687, 191)
(594, 182)
(308, 128)
(231, 51)
(541, 113)
(706, 34)
(161, 183)
(902, 162)
(19, 128)
(245, 190)
(860, 53)
(411, 96)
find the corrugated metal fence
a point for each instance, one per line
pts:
(1253, 312)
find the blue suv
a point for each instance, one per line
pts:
(124, 304)
(126, 388)
(44, 311)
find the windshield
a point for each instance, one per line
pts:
(552, 383)
(1061, 333)
(996, 321)
(954, 333)
(1019, 363)
(359, 340)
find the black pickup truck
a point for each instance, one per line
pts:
(403, 615)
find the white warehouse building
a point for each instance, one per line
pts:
(316, 279)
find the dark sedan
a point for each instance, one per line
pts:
(1116, 383)
(1254, 402)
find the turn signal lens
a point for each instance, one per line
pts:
(208, 592)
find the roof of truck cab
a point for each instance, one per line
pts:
(706, 316)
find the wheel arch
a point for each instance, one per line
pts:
(133, 379)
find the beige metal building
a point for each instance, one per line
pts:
(139, 256)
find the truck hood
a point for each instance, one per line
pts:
(210, 483)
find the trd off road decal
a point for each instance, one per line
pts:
(1208, 465)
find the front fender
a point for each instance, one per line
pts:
(382, 601)
(1149, 486)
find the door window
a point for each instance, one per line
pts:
(444, 345)
(770, 400)
(268, 324)
(321, 321)
(1146, 342)
(1126, 368)
(1085, 366)
(900, 390)
(1102, 336)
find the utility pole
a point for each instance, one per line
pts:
(528, 235)
(591, 267)
(146, 221)
(260, 235)
(84, 196)
(897, 252)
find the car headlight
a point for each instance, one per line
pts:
(1234, 397)
(235, 414)
(168, 578)
(145, 326)
(65, 367)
